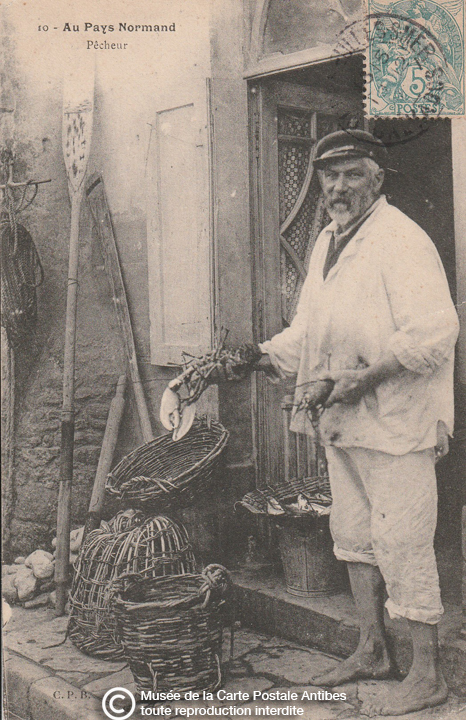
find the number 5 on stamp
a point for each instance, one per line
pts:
(415, 58)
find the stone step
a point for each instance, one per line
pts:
(330, 623)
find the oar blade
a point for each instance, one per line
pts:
(78, 108)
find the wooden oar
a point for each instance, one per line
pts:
(78, 105)
(8, 388)
(106, 457)
(98, 204)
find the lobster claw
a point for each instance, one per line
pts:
(188, 414)
(170, 409)
(175, 414)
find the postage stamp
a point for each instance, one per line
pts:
(415, 58)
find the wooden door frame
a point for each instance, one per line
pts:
(263, 226)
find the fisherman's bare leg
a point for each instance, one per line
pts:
(423, 687)
(371, 659)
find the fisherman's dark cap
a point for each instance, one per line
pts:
(346, 144)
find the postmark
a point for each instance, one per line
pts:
(415, 58)
(352, 40)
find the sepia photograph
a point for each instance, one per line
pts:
(233, 359)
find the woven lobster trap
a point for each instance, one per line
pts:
(165, 474)
(171, 629)
(129, 543)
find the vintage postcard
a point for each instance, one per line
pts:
(233, 358)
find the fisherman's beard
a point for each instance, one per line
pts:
(346, 208)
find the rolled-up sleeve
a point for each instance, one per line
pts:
(284, 349)
(419, 297)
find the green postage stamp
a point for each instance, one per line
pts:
(415, 58)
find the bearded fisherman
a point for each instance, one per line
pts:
(376, 309)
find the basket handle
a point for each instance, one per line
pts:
(216, 577)
(156, 604)
(115, 584)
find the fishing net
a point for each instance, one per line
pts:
(21, 274)
(22, 270)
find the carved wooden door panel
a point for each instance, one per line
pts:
(301, 211)
(288, 214)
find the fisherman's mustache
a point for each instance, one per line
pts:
(340, 200)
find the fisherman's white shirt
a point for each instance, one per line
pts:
(387, 291)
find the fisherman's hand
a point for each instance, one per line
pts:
(350, 386)
(265, 365)
(236, 365)
(442, 446)
(226, 372)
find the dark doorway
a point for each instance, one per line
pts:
(419, 181)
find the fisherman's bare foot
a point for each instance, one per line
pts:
(414, 693)
(363, 664)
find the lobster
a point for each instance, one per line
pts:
(178, 405)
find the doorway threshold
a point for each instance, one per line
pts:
(330, 623)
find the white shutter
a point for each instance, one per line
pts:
(178, 235)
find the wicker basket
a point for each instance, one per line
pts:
(157, 547)
(308, 486)
(315, 489)
(171, 630)
(306, 546)
(168, 474)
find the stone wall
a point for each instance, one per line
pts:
(33, 132)
(36, 141)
